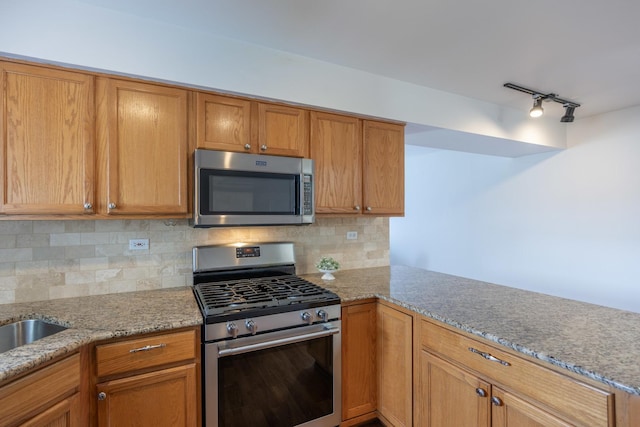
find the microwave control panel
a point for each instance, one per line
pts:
(307, 208)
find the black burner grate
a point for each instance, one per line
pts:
(254, 293)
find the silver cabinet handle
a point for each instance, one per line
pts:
(102, 395)
(369, 208)
(481, 392)
(147, 348)
(356, 208)
(111, 205)
(87, 206)
(247, 146)
(496, 401)
(263, 147)
(489, 357)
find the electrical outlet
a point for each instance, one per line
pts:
(139, 244)
(352, 235)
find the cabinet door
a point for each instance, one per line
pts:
(64, 414)
(223, 123)
(358, 360)
(143, 130)
(383, 168)
(47, 126)
(450, 396)
(395, 386)
(283, 130)
(336, 148)
(509, 410)
(165, 398)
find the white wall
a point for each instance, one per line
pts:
(76, 33)
(565, 223)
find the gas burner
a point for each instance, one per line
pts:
(234, 296)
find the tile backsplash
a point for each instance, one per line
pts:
(41, 260)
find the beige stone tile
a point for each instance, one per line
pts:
(8, 241)
(16, 227)
(15, 255)
(48, 226)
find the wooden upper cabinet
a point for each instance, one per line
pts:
(223, 123)
(336, 148)
(47, 126)
(235, 124)
(143, 140)
(282, 130)
(383, 168)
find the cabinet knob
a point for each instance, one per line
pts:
(247, 146)
(102, 395)
(111, 205)
(263, 147)
(356, 208)
(87, 206)
(496, 401)
(369, 208)
(481, 392)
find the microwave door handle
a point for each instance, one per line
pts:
(277, 342)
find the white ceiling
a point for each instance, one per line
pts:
(587, 51)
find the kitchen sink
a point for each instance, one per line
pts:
(24, 332)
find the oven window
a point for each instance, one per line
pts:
(249, 193)
(281, 386)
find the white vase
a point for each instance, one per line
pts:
(327, 274)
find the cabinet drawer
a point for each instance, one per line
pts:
(147, 352)
(577, 401)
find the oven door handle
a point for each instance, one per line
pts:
(276, 342)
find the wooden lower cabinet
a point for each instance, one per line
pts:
(63, 414)
(451, 396)
(395, 366)
(150, 380)
(49, 397)
(359, 362)
(463, 381)
(509, 410)
(160, 398)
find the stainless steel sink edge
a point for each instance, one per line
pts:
(26, 331)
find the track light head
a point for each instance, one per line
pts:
(568, 113)
(536, 110)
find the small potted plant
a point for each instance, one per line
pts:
(327, 265)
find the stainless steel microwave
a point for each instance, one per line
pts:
(238, 189)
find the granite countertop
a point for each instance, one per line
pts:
(598, 342)
(595, 341)
(95, 318)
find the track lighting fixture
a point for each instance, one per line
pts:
(538, 97)
(568, 113)
(536, 110)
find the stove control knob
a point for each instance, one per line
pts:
(306, 317)
(251, 326)
(232, 329)
(322, 315)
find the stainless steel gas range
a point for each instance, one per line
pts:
(271, 340)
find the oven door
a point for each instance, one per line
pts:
(284, 378)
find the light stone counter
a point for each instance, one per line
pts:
(95, 318)
(598, 342)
